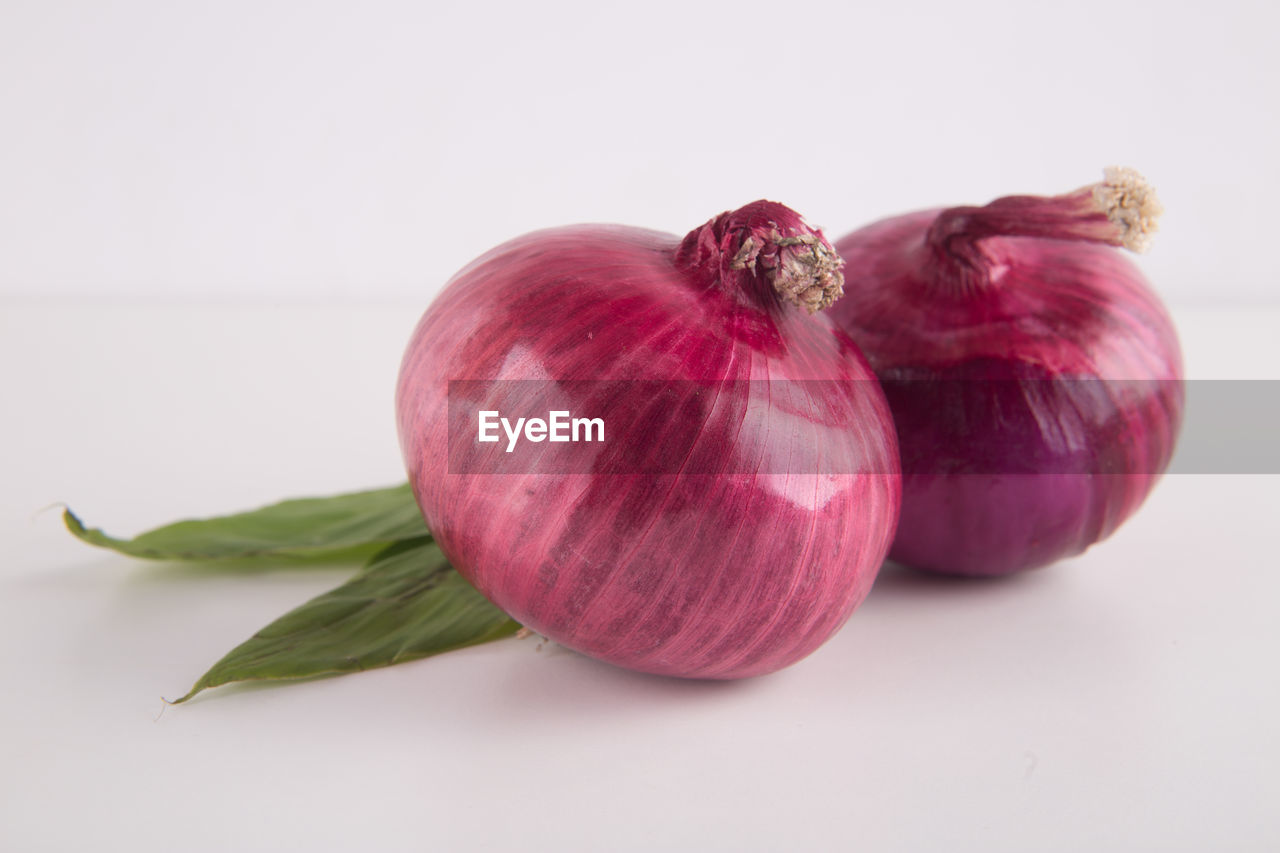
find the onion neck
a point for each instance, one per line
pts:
(765, 254)
(1121, 210)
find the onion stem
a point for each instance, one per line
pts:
(765, 252)
(1121, 210)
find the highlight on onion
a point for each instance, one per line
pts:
(746, 487)
(1034, 377)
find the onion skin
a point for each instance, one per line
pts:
(687, 574)
(988, 328)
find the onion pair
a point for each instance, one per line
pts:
(748, 486)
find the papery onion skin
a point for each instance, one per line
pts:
(988, 328)
(696, 575)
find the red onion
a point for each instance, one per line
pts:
(748, 485)
(991, 328)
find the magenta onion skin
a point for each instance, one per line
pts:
(698, 575)
(988, 336)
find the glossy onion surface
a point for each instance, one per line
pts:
(749, 486)
(992, 348)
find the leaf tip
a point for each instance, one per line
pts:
(70, 519)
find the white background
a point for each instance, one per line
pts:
(368, 150)
(218, 225)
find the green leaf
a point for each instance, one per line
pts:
(406, 603)
(305, 527)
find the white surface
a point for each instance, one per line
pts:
(1125, 700)
(316, 149)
